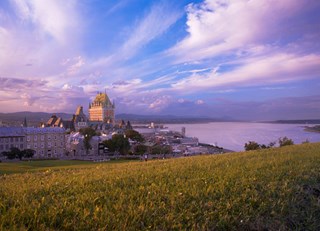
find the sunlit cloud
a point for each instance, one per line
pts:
(161, 57)
(267, 70)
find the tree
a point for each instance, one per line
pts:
(272, 144)
(17, 153)
(161, 149)
(118, 143)
(28, 153)
(88, 133)
(284, 141)
(134, 135)
(140, 149)
(252, 145)
(8, 155)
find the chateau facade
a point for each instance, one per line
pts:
(102, 110)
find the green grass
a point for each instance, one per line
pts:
(43, 165)
(276, 189)
(25, 166)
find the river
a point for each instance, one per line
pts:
(233, 135)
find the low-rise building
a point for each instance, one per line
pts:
(75, 146)
(11, 137)
(48, 142)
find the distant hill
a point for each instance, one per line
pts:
(33, 118)
(133, 118)
(308, 121)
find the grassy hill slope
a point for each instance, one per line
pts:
(276, 189)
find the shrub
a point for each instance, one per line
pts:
(252, 145)
(284, 141)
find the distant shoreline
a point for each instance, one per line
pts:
(312, 129)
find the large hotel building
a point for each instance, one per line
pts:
(101, 109)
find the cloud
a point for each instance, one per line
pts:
(218, 27)
(160, 103)
(15, 84)
(306, 107)
(39, 34)
(118, 6)
(277, 68)
(160, 18)
(76, 66)
(48, 17)
(199, 102)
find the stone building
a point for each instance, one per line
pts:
(56, 121)
(48, 142)
(75, 146)
(101, 109)
(11, 137)
(79, 119)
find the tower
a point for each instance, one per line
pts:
(25, 122)
(101, 109)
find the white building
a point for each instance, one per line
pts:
(75, 146)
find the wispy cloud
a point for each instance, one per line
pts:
(278, 68)
(217, 27)
(160, 18)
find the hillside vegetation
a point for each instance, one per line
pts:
(274, 189)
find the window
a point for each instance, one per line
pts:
(42, 145)
(1, 140)
(28, 138)
(21, 139)
(28, 146)
(16, 139)
(49, 144)
(11, 139)
(49, 137)
(42, 137)
(7, 146)
(1, 147)
(35, 138)
(35, 145)
(21, 146)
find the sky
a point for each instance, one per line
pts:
(244, 59)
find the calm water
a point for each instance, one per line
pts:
(233, 135)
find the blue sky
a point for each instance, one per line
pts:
(256, 60)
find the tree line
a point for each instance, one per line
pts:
(283, 141)
(16, 153)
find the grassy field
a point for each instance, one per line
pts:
(275, 189)
(43, 165)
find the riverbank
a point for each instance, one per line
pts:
(312, 129)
